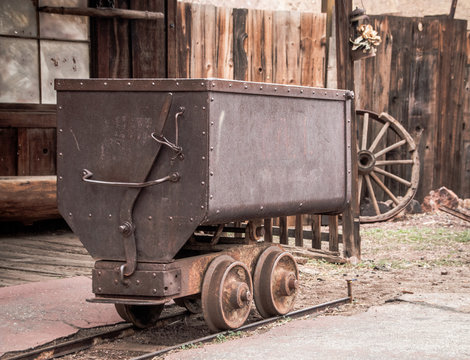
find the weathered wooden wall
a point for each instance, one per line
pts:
(254, 45)
(418, 78)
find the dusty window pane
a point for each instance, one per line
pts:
(18, 17)
(19, 79)
(61, 60)
(63, 26)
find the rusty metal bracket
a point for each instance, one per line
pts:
(132, 194)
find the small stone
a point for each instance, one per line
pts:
(445, 272)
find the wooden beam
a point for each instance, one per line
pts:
(28, 198)
(113, 13)
(345, 74)
(452, 9)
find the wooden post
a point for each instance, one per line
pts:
(284, 236)
(345, 71)
(333, 233)
(299, 231)
(268, 230)
(316, 231)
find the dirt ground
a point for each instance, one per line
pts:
(423, 253)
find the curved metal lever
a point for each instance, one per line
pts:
(87, 174)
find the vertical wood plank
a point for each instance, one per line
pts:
(183, 35)
(23, 152)
(8, 151)
(210, 41)
(120, 62)
(260, 46)
(224, 43)
(240, 61)
(171, 7)
(286, 53)
(268, 45)
(299, 231)
(149, 53)
(284, 236)
(312, 55)
(280, 25)
(333, 233)
(268, 230)
(197, 45)
(316, 231)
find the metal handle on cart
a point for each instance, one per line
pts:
(87, 174)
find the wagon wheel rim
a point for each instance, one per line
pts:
(371, 163)
(226, 294)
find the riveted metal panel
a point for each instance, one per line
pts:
(277, 155)
(109, 133)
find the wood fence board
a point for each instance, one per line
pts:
(240, 61)
(197, 44)
(280, 25)
(148, 41)
(312, 49)
(210, 41)
(293, 48)
(183, 39)
(171, 42)
(224, 43)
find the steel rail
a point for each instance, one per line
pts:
(308, 310)
(76, 345)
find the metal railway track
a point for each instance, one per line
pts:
(126, 330)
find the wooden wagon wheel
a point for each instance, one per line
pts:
(372, 163)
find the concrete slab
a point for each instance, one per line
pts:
(37, 313)
(438, 327)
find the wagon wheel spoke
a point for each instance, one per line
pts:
(359, 187)
(390, 148)
(389, 166)
(392, 176)
(384, 188)
(379, 137)
(372, 194)
(365, 128)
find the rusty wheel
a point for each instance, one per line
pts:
(381, 158)
(191, 303)
(226, 293)
(142, 316)
(275, 282)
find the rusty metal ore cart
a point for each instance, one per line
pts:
(154, 173)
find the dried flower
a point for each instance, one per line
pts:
(368, 39)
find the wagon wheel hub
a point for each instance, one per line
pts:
(366, 161)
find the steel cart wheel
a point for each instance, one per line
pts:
(275, 282)
(142, 316)
(192, 304)
(373, 165)
(226, 293)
